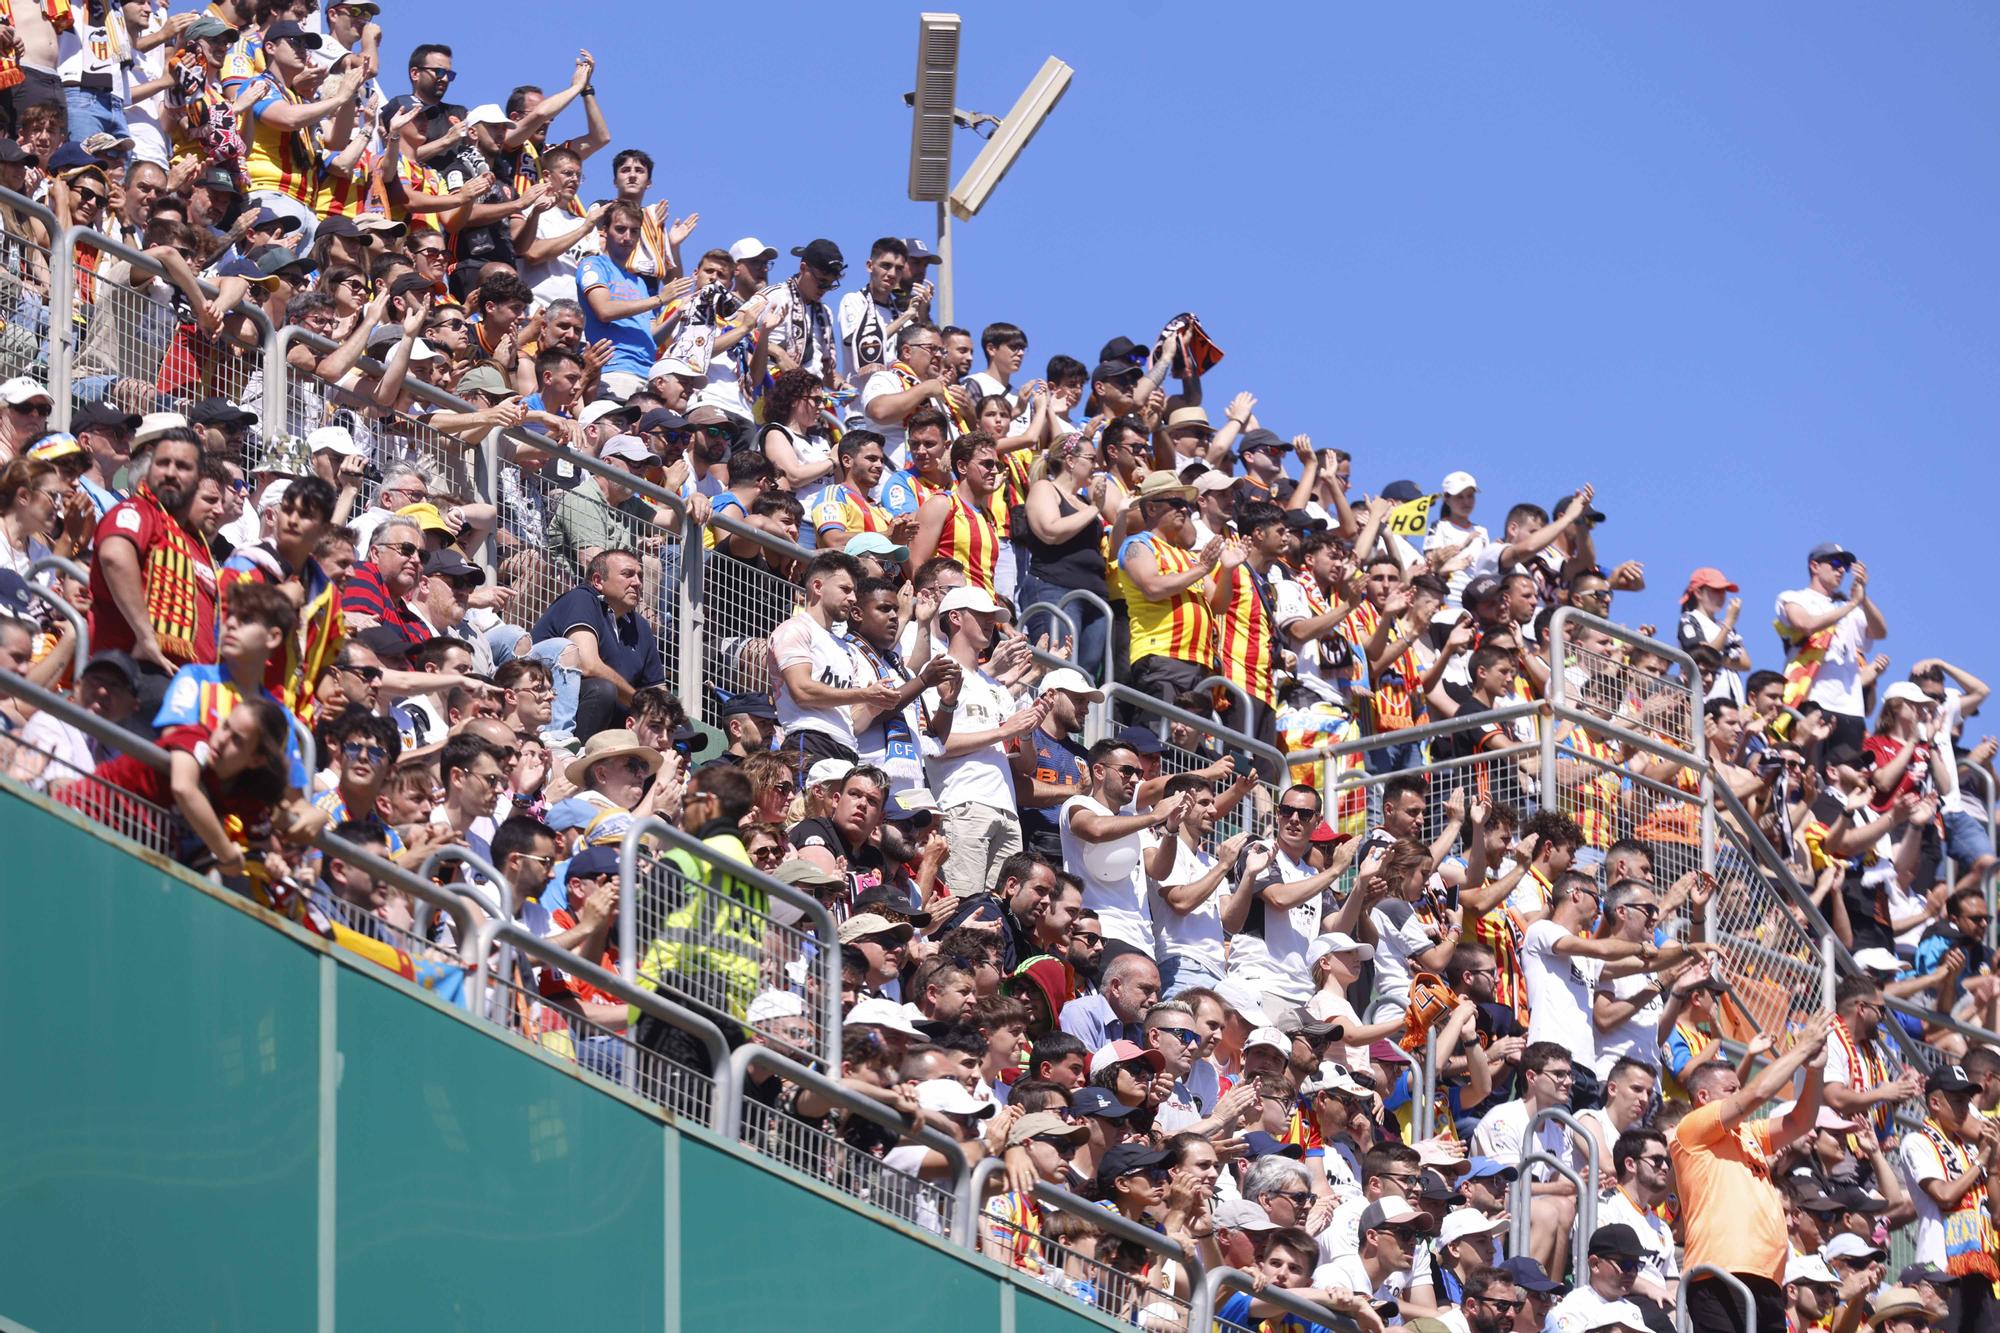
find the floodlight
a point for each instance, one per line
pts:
(930, 125)
(994, 160)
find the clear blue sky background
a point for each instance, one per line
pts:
(1732, 266)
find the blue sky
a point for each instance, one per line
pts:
(1731, 265)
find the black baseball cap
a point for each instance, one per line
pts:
(275, 259)
(1949, 1079)
(384, 641)
(1123, 349)
(1530, 1276)
(446, 562)
(895, 902)
(822, 254)
(1126, 1158)
(337, 224)
(1402, 492)
(279, 31)
(1854, 1199)
(1850, 756)
(219, 412)
(1617, 1240)
(219, 178)
(1592, 514)
(101, 414)
(12, 154)
(1140, 740)
(16, 602)
(746, 704)
(1930, 1273)
(1484, 588)
(117, 663)
(1110, 372)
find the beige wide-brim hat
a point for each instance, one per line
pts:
(611, 744)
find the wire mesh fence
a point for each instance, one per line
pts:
(533, 999)
(43, 768)
(714, 946)
(25, 291)
(142, 342)
(1112, 1276)
(743, 603)
(849, 1154)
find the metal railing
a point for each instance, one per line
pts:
(827, 1158)
(1730, 1280)
(1222, 1281)
(27, 296)
(743, 603)
(1519, 1202)
(1115, 1290)
(135, 346)
(693, 938)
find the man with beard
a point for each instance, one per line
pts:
(153, 585)
(1015, 908)
(1049, 765)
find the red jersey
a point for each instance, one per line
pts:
(177, 578)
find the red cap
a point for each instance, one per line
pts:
(1328, 833)
(1118, 1052)
(1709, 577)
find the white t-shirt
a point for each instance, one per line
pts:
(1638, 1036)
(1269, 953)
(1837, 687)
(1473, 538)
(878, 385)
(1662, 1263)
(864, 332)
(1559, 991)
(979, 384)
(1571, 1312)
(69, 751)
(1347, 1273)
(1196, 934)
(1394, 944)
(1501, 1135)
(1331, 1006)
(1918, 1159)
(980, 775)
(1114, 876)
(555, 279)
(802, 640)
(1314, 671)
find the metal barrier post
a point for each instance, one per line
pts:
(1586, 1212)
(1223, 1280)
(1518, 1205)
(1200, 1312)
(76, 618)
(1729, 1279)
(826, 959)
(1424, 1113)
(692, 594)
(62, 324)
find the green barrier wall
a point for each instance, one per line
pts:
(211, 1122)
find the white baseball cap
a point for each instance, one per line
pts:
(599, 410)
(752, 248)
(1270, 1037)
(274, 495)
(772, 1004)
(488, 113)
(1235, 995)
(1808, 1268)
(969, 598)
(151, 426)
(828, 770)
(334, 438)
(1462, 1222)
(949, 1097)
(1215, 479)
(21, 389)
(1458, 483)
(1331, 1076)
(1335, 942)
(675, 366)
(1878, 960)
(1907, 691)
(1071, 681)
(875, 1012)
(628, 447)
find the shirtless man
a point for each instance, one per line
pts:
(31, 39)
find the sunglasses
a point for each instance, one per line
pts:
(1185, 1036)
(407, 550)
(1296, 812)
(1088, 937)
(1297, 1198)
(442, 75)
(1130, 770)
(1064, 1148)
(35, 409)
(368, 750)
(430, 252)
(364, 673)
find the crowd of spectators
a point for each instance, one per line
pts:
(1157, 968)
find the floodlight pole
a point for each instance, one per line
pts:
(942, 302)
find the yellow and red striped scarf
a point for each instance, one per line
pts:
(1865, 1069)
(57, 12)
(173, 594)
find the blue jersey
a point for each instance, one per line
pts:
(201, 695)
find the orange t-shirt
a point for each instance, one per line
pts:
(1731, 1210)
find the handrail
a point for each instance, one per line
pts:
(1423, 1110)
(1023, 613)
(1519, 1202)
(1225, 1279)
(1428, 731)
(1206, 725)
(471, 860)
(827, 957)
(1200, 1312)
(142, 262)
(125, 742)
(770, 541)
(75, 617)
(1237, 692)
(730, 1125)
(498, 931)
(62, 322)
(1586, 1213)
(1729, 1279)
(1103, 609)
(1690, 677)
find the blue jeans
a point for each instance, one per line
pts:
(1181, 972)
(1966, 838)
(1092, 630)
(90, 112)
(567, 680)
